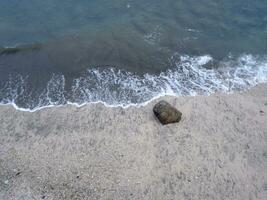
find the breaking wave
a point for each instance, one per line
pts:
(191, 76)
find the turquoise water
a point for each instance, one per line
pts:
(124, 52)
(188, 26)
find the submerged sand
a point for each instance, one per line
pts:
(217, 151)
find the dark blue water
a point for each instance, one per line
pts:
(126, 52)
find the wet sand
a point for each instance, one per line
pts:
(217, 151)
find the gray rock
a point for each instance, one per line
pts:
(166, 113)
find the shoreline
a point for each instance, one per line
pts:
(116, 87)
(76, 105)
(131, 105)
(217, 151)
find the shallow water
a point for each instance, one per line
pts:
(123, 52)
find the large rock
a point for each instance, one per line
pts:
(166, 113)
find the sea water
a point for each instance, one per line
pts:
(127, 52)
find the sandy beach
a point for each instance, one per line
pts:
(217, 151)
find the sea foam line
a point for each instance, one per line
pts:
(190, 77)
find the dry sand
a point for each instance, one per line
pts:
(217, 151)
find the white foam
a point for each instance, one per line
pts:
(115, 88)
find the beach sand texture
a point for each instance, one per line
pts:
(217, 151)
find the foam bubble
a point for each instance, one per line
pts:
(114, 87)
